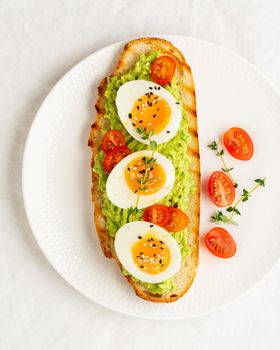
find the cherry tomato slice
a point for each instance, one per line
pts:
(239, 143)
(112, 139)
(113, 157)
(221, 189)
(220, 243)
(157, 214)
(163, 69)
(178, 220)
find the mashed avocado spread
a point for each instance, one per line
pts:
(174, 149)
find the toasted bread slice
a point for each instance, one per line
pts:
(184, 278)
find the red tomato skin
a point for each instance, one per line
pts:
(217, 239)
(158, 68)
(109, 166)
(112, 139)
(232, 141)
(223, 177)
(150, 214)
(181, 220)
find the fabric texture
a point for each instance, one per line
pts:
(39, 42)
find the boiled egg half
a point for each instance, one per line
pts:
(123, 186)
(147, 105)
(147, 252)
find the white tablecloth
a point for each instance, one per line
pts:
(39, 42)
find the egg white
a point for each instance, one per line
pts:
(128, 234)
(121, 195)
(130, 92)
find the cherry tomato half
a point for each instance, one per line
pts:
(178, 220)
(220, 243)
(112, 139)
(221, 189)
(157, 214)
(163, 69)
(113, 157)
(239, 143)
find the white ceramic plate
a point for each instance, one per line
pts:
(56, 181)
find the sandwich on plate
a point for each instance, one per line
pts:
(146, 170)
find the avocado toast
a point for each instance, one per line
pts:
(182, 150)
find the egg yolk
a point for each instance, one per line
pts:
(150, 254)
(151, 112)
(151, 174)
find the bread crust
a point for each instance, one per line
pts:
(184, 278)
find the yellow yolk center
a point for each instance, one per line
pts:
(151, 112)
(150, 254)
(152, 176)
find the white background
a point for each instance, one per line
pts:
(39, 42)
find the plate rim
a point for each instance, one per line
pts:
(24, 170)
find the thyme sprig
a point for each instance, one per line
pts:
(146, 135)
(149, 162)
(220, 153)
(219, 217)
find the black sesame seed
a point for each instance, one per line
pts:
(140, 237)
(160, 261)
(150, 88)
(139, 99)
(135, 191)
(128, 169)
(133, 124)
(176, 205)
(149, 240)
(180, 196)
(152, 168)
(177, 103)
(154, 245)
(154, 115)
(137, 107)
(158, 109)
(161, 242)
(140, 121)
(161, 265)
(142, 267)
(152, 239)
(151, 93)
(168, 132)
(141, 253)
(161, 248)
(152, 225)
(129, 116)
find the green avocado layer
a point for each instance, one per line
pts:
(174, 149)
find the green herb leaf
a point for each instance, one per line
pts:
(213, 145)
(227, 170)
(133, 210)
(261, 182)
(153, 145)
(221, 153)
(219, 217)
(237, 211)
(245, 195)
